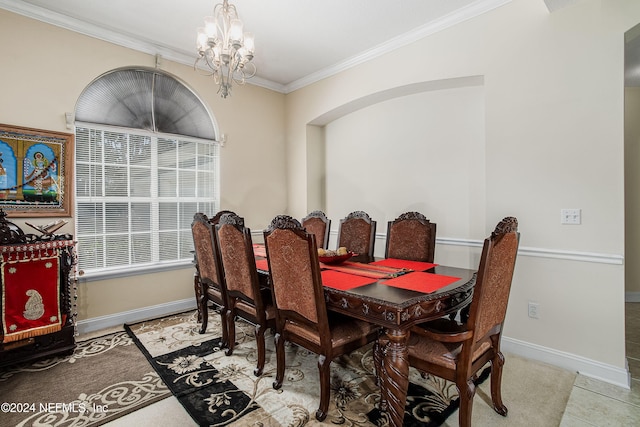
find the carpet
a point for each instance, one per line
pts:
(105, 378)
(216, 389)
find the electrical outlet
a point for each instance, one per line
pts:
(534, 309)
(570, 216)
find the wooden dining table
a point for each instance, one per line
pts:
(395, 294)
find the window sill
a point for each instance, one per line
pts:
(94, 276)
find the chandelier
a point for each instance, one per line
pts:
(225, 50)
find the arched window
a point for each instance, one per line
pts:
(146, 161)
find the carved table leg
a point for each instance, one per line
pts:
(395, 380)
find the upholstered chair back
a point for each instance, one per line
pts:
(495, 273)
(357, 233)
(411, 236)
(206, 254)
(319, 225)
(236, 253)
(294, 269)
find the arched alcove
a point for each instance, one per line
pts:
(413, 144)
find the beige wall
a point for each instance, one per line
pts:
(553, 101)
(553, 138)
(38, 93)
(427, 152)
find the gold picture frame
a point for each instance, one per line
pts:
(36, 172)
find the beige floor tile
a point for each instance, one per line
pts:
(569, 421)
(600, 410)
(605, 389)
(167, 413)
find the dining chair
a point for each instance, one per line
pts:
(318, 223)
(357, 233)
(301, 314)
(457, 351)
(207, 280)
(212, 293)
(412, 237)
(245, 297)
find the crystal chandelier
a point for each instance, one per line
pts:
(225, 50)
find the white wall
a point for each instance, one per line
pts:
(422, 152)
(553, 138)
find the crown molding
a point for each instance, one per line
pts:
(152, 48)
(447, 21)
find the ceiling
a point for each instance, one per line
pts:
(297, 41)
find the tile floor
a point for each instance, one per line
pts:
(595, 403)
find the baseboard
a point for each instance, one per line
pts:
(632, 297)
(591, 368)
(137, 315)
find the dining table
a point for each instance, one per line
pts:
(396, 295)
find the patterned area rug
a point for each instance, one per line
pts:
(216, 389)
(104, 379)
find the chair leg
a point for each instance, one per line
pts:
(280, 360)
(229, 321)
(324, 366)
(467, 391)
(197, 290)
(203, 310)
(496, 384)
(259, 332)
(225, 329)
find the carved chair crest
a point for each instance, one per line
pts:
(284, 221)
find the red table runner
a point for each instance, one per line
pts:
(405, 264)
(365, 270)
(421, 282)
(343, 281)
(259, 250)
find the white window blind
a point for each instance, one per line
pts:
(136, 193)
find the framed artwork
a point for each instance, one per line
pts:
(36, 172)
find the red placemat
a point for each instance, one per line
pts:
(421, 282)
(262, 264)
(406, 264)
(343, 281)
(259, 250)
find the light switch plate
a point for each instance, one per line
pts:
(570, 216)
